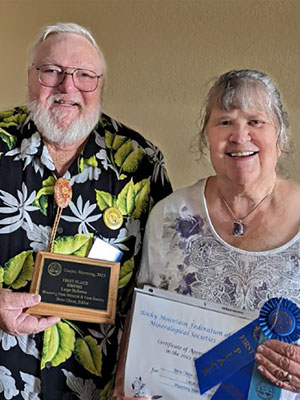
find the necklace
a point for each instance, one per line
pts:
(238, 226)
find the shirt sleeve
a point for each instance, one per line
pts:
(152, 259)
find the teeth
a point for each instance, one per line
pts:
(66, 103)
(242, 154)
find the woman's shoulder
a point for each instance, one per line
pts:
(184, 196)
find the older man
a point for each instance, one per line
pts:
(110, 169)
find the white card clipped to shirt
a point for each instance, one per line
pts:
(102, 250)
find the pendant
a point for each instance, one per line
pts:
(238, 228)
(62, 192)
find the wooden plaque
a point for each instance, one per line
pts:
(76, 288)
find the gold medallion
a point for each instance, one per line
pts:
(113, 218)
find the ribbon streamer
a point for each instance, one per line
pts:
(231, 361)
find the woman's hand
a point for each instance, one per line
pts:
(279, 362)
(13, 318)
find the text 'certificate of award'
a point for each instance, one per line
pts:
(168, 331)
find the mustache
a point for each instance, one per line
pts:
(64, 98)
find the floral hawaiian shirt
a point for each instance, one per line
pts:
(117, 168)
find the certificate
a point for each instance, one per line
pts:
(72, 287)
(168, 332)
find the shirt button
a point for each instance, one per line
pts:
(60, 230)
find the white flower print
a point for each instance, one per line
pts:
(132, 228)
(7, 341)
(82, 215)
(21, 205)
(83, 389)
(7, 383)
(159, 168)
(100, 140)
(32, 386)
(106, 162)
(89, 173)
(118, 241)
(26, 343)
(39, 235)
(46, 159)
(105, 332)
(27, 151)
(103, 156)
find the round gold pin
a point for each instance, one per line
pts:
(113, 218)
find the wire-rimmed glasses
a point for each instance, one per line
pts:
(51, 75)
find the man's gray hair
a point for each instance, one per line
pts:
(67, 27)
(245, 89)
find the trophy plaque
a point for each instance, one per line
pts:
(76, 288)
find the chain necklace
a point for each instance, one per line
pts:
(238, 226)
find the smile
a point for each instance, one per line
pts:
(242, 154)
(66, 103)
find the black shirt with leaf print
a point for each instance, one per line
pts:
(117, 168)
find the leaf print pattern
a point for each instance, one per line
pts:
(18, 270)
(159, 162)
(105, 332)
(126, 272)
(78, 245)
(11, 119)
(114, 159)
(7, 341)
(82, 215)
(89, 173)
(39, 236)
(88, 354)
(128, 156)
(10, 140)
(124, 155)
(83, 389)
(31, 388)
(133, 200)
(22, 205)
(131, 229)
(41, 199)
(26, 343)
(104, 199)
(59, 340)
(27, 150)
(7, 383)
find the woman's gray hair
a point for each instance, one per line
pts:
(245, 89)
(67, 27)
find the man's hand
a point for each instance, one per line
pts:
(13, 318)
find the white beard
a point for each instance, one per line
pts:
(47, 123)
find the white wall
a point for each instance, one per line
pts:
(162, 56)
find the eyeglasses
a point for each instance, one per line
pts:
(84, 80)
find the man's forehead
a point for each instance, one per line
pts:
(60, 46)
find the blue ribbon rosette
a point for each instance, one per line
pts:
(231, 362)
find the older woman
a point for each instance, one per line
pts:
(233, 238)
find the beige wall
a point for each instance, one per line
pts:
(161, 55)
